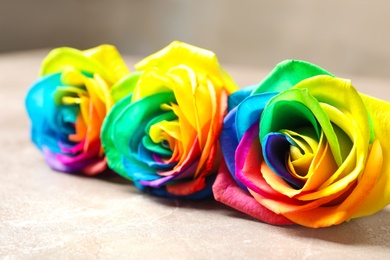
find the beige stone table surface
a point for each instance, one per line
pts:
(49, 215)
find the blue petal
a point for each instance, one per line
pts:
(237, 97)
(66, 117)
(146, 157)
(275, 149)
(137, 170)
(46, 137)
(40, 106)
(229, 143)
(249, 111)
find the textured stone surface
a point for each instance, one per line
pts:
(46, 214)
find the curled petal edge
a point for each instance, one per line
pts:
(227, 191)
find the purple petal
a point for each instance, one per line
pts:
(275, 149)
(186, 173)
(56, 162)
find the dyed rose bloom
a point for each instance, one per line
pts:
(305, 147)
(164, 136)
(68, 103)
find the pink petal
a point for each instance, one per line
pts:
(227, 191)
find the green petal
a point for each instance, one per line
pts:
(129, 125)
(288, 73)
(273, 122)
(114, 157)
(125, 86)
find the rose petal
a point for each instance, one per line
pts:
(178, 53)
(184, 173)
(186, 187)
(205, 192)
(288, 73)
(302, 96)
(226, 190)
(87, 165)
(250, 110)
(326, 216)
(114, 157)
(238, 96)
(275, 148)
(379, 197)
(124, 86)
(104, 60)
(229, 142)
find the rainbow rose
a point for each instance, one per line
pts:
(68, 103)
(164, 136)
(305, 147)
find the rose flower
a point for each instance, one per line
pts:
(305, 147)
(68, 103)
(165, 135)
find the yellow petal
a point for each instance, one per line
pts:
(379, 197)
(201, 60)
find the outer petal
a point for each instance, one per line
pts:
(249, 111)
(178, 53)
(287, 74)
(39, 110)
(111, 60)
(114, 157)
(125, 86)
(237, 97)
(104, 60)
(379, 197)
(226, 190)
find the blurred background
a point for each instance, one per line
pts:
(345, 37)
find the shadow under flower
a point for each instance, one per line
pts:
(208, 204)
(367, 231)
(107, 176)
(110, 176)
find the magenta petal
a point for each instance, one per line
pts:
(90, 154)
(52, 161)
(72, 149)
(157, 158)
(227, 191)
(70, 165)
(251, 135)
